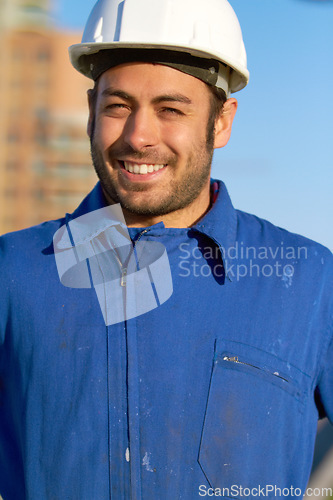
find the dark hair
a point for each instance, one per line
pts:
(217, 100)
(93, 94)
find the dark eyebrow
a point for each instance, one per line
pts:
(172, 98)
(112, 92)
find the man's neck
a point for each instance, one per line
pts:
(185, 217)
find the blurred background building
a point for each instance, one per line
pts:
(45, 166)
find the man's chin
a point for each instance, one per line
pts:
(145, 209)
(143, 203)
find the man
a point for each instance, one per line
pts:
(189, 353)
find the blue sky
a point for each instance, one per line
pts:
(279, 162)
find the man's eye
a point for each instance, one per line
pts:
(117, 105)
(116, 109)
(174, 111)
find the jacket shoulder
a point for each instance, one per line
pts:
(256, 230)
(27, 244)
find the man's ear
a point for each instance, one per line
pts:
(91, 117)
(224, 122)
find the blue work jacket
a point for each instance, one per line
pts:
(217, 388)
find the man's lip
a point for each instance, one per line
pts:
(141, 169)
(136, 162)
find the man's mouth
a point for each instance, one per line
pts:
(141, 168)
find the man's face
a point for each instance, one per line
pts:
(148, 131)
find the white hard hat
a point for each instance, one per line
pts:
(195, 35)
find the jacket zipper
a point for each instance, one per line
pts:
(124, 269)
(234, 359)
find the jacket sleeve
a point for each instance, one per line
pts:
(4, 292)
(3, 320)
(324, 389)
(2, 299)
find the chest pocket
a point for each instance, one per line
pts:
(253, 419)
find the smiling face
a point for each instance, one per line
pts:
(148, 131)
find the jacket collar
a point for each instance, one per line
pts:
(219, 224)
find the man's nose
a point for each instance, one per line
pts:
(141, 130)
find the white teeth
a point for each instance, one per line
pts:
(158, 167)
(141, 169)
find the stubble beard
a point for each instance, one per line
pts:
(179, 194)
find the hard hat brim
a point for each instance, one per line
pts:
(81, 60)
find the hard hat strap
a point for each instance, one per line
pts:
(208, 70)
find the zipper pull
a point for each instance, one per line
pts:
(234, 359)
(123, 276)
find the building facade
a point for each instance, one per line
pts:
(45, 165)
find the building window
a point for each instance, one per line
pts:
(10, 193)
(12, 166)
(38, 167)
(43, 55)
(41, 136)
(32, 9)
(39, 194)
(17, 55)
(13, 136)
